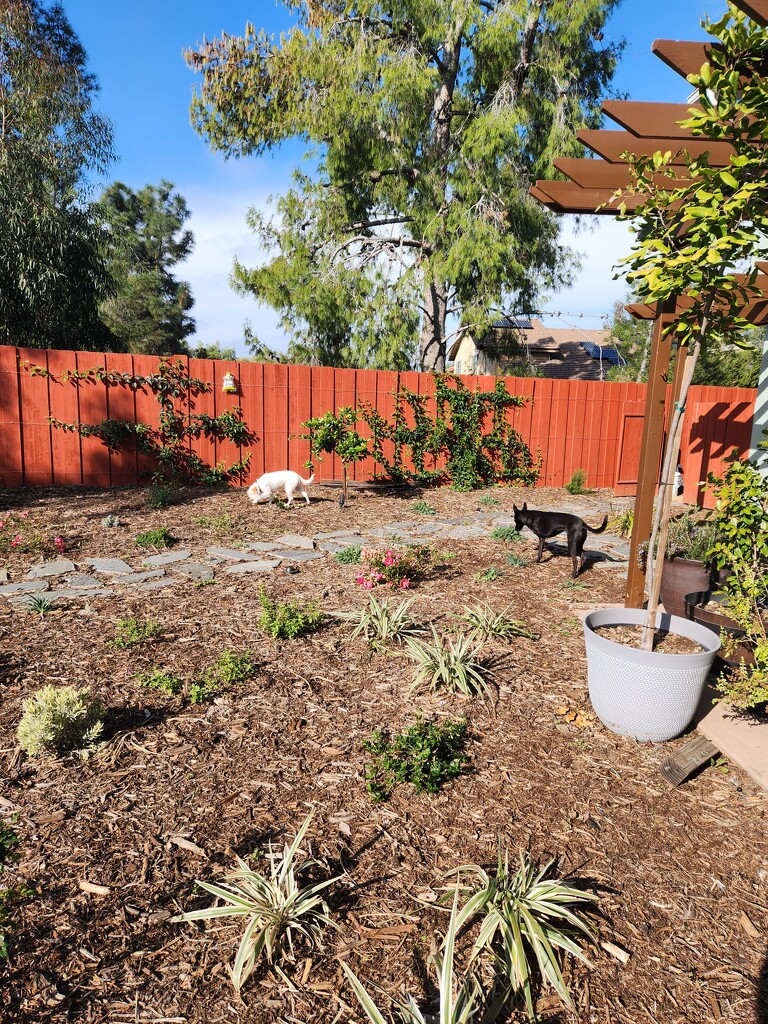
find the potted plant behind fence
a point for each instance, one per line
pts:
(691, 235)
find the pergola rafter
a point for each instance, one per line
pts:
(591, 188)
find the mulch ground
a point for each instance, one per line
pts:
(112, 846)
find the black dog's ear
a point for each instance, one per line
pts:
(514, 507)
(525, 506)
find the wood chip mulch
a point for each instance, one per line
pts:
(112, 846)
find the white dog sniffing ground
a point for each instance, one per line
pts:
(268, 483)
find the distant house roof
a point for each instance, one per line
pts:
(565, 353)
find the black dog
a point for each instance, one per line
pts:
(549, 524)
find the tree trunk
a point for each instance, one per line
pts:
(432, 343)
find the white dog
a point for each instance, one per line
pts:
(268, 483)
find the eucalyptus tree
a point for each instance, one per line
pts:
(425, 121)
(51, 272)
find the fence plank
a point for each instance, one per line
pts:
(36, 430)
(63, 404)
(11, 452)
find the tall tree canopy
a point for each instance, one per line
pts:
(51, 272)
(143, 237)
(427, 120)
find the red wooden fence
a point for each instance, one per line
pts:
(585, 425)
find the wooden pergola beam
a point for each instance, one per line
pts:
(599, 174)
(652, 119)
(683, 57)
(611, 144)
(757, 10)
(568, 197)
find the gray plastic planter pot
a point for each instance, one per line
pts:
(649, 696)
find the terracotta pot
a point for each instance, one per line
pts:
(716, 620)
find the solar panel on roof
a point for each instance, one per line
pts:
(610, 355)
(519, 323)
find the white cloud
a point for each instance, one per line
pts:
(594, 291)
(218, 223)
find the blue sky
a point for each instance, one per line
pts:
(135, 50)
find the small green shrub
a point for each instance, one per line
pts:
(229, 670)
(159, 538)
(349, 555)
(60, 719)
(289, 619)
(488, 500)
(517, 561)
(622, 523)
(222, 523)
(427, 755)
(423, 508)
(130, 631)
(578, 482)
(490, 575)
(506, 533)
(392, 567)
(161, 496)
(158, 679)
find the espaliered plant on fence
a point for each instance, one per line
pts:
(470, 435)
(168, 441)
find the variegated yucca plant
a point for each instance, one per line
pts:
(275, 908)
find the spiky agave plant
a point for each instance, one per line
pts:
(452, 663)
(527, 921)
(275, 907)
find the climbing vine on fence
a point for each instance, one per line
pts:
(469, 431)
(168, 440)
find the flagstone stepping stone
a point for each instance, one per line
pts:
(467, 532)
(332, 546)
(57, 568)
(429, 528)
(262, 545)
(166, 559)
(140, 577)
(110, 566)
(299, 556)
(338, 535)
(292, 540)
(166, 581)
(196, 570)
(66, 594)
(231, 553)
(4, 577)
(384, 532)
(79, 580)
(33, 587)
(242, 567)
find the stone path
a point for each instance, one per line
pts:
(62, 579)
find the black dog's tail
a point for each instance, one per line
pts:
(598, 529)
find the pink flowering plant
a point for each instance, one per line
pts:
(392, 567)
(18, 534)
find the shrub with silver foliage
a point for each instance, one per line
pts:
(60, 719)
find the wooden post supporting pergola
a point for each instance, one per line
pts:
(591, 187)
